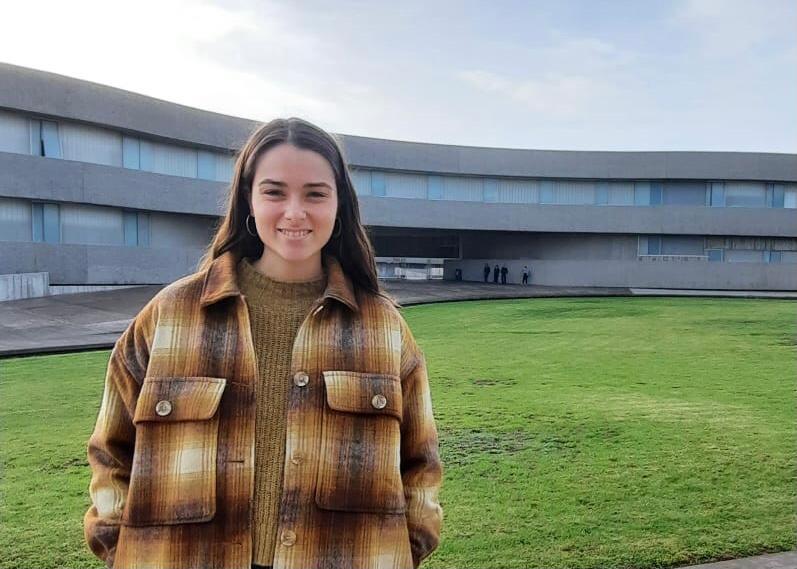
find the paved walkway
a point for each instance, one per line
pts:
(94, 320)
(787, 560)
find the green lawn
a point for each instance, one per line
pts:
(578, 433)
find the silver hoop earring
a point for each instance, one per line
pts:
(249, 231)
(340, 228)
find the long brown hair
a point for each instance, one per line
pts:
(351, 247)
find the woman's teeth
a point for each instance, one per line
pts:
(294, 234)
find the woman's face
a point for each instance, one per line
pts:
(294, 202)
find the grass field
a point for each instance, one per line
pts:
(579, 433)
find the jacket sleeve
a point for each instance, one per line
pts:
(421, 469)
(111, 445)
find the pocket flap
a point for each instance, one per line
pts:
(359, 392)
(179, 398)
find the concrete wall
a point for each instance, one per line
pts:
(643, 274)
(50, 95)
(683, 220)
(92, 264)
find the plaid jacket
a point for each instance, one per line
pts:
(172, 452)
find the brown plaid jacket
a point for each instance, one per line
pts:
(172, 452)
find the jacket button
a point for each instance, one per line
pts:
(288, 538)
(297, 457)
(379, 401)
(163, 408)
(301, 378)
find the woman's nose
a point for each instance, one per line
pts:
(295, 210)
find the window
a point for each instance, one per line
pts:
(775, 195)
(654, 245)
(136, 229)
(601, 193)
(641, 193)
(435, 186)
(490, 190)
(131, 153)
(547, 192)
(716, 194)
(714, 255)
(44, 139)
(655, 193)
(46, 223)
(378, 185)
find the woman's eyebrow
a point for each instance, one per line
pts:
(283, 184)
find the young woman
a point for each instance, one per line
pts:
(272, 409)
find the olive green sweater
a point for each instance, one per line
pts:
(276, 310)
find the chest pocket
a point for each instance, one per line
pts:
(360, 456)
(173, 476)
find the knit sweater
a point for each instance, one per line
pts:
(276, 310)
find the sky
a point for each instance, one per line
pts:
(715, 75)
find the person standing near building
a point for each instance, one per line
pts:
(526, 273)
(504, 272)
(496, 272)
(486, 271)
(208, 449)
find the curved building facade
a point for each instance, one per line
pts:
(100, 187)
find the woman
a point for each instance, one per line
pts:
(272, 409)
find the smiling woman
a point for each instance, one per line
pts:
(273, 408)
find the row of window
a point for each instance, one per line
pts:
(46, 222)
(575, 192)
(83, 143)
(73, 141)
(665, 245)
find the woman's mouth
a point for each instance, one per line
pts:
(295, 234)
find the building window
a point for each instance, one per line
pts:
(378, 185)
(655, 193)
(775, 195)
(714, 255)
(435, 191)
(717, 194)
(136, 229)
(131, 153)
(46, 223)
(772, 256)
(44, 139)
(547, 192)
(490, 190)
(601, 193)
(654, 245)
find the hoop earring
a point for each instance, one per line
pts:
(246, 223)
(339, 226)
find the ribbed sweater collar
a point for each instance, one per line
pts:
(260, 289)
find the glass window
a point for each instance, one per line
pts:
(131, 228)
(143, 229)
(717, 194)
(51, 147)
(547, 192)
(601, 193)
(655, 193)
(642, 193)
(714, 255)
(378, 183)
(46, 225)
(435, 191)
(490, 190)
(654, 245)
(206, 165)
(131, 157)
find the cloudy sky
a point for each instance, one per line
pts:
(558, 74)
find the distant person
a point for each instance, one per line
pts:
(526, 273)
(458, 274)
(504, 271)
(486, 271)
(496, 270)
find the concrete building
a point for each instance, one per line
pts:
(101, 187)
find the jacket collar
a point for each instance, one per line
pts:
(221, 281)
